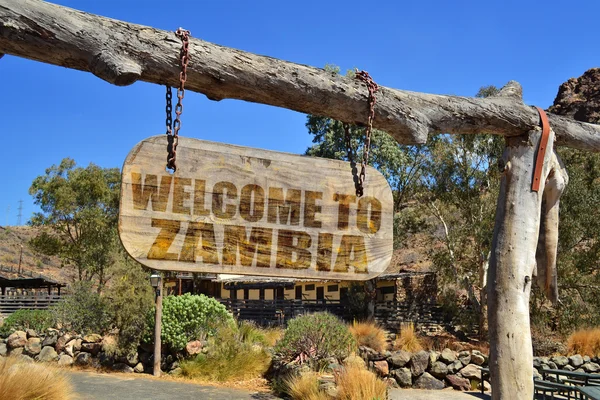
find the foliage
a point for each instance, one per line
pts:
(355, 383)
(21, 380)
(235, 353)
(129, 298)
(38, 320)
(79, 209)
(356, 302)
(315, 337)
(190, 317)
(369, 334)
(304, 386)
(407, 339)
(585, 342)
(83, 310)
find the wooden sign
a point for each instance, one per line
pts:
(237, 210)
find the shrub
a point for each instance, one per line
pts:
(83, 311)
(585, 342)
(234, 354)
(315, 337)
(189, 317)
(23, 381)
(369, 334)
(304, 386)
(355, 383)
(407, 339)
(38, 320)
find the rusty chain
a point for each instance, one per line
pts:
(360, 179)
(173, 127)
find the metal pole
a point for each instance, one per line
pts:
(157, 328)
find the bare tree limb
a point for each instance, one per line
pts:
(122, 53)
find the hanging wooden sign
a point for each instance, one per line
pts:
(237, 210)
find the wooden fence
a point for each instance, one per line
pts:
(11, 303)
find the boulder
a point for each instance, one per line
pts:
(458, 382)
(48, 354)
(93, 348)
(399, 359)
(31, 333)
(105, 360)
(552, 365)
(26, 359)
(77, 345)
(139, 368)
(17, 351)
(419, 363)
(83, 359)
(33, 346)
(131, 359)
(586, 359)
(433, 356)
(428, 382)
(122, 367)
(471, 371)
(477, 359)
(536, 374)
(576, 361)
(175, 372)
(486, 386)
(455, 367)
(448, 356)
(62, 342)
(65, 360)
(17, 339)
(93, 338)
(68, 350)
(590, 367)
(3, 349)
(568, 368)
(381, 368)
(194, 347)
(560, 361)
(391, 383)
(464, 357)
(439, 370)
(403, 376)
(327, 385)
(50, 339)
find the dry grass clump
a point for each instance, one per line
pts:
(585, 342)
(272, 335)
(28, 381)
(304, 386)
(355, 383)
(369, 334)
(407, 339)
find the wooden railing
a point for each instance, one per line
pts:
(11, 303)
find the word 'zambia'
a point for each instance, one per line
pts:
(263, 212)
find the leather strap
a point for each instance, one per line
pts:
(541, 153)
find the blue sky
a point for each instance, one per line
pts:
(435, 46)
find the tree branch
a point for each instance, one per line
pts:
(122, 53)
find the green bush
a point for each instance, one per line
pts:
(189, 317)
(38, 320)
(316, 337)
(83, 311)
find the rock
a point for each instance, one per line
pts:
(31, 333)
(33, 346)
(458, 383)
(577, 98)
(24, 358)
(486, 386)
(146, 358)
(62, 342)
(448, 356)
(419, 363)
(455, 367)
(327, 385)
(105, 360)
(77, 345)
(433, 357)
(83, 359)
(93, 348)
(471, 371)
(17, 339)
(590, 367)
(428, 382)
(194, 347)
(399, 359)
(3, 349)
(551, 365)
(586, 359)
(68, 350)
(403, 376)
(439, 370)
(568, 368)
(381, 367)
(93, 338)
(576, 361)
(122, 367)
(131, 359)
(391, 383)
(50, 339)
(464, 357)
(175, 372)
(16, 351)
(536, 374)
(560, 361)
(537, 363)
(47, 354)
(139, 368)
(477, 359)
(65, 360)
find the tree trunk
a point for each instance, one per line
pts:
(122, 53)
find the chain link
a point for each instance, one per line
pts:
(360, 179)
(173, 127)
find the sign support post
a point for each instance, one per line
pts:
(157, 284)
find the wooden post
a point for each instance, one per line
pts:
(158, 328)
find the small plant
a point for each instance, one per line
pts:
(355, 383)
(369, 334)
(407, 339)
(38, 320)
(83, 311)
(314, 338)
(584, 342)
(24, 381)
(304, 386)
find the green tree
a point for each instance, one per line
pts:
(79, 208)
